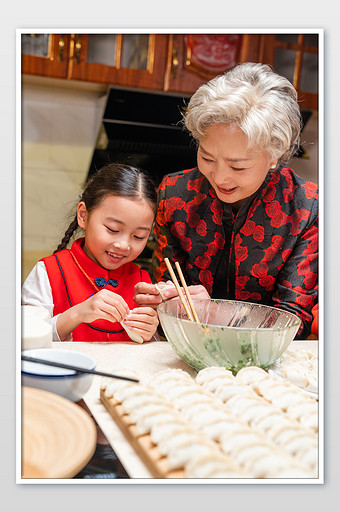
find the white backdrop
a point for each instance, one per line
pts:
(156, 14)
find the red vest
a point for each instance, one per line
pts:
(75, 278)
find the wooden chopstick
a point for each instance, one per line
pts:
(181, 276)
(178, 288)
(75, 368)
(191, 311)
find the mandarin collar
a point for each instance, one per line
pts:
(90, 267)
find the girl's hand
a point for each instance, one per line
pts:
(143, 321)
(106, 305)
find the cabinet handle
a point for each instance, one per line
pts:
(188, 58)
(175, 62)
(61, 46)
(77, 49)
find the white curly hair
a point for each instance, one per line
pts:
(260, 102)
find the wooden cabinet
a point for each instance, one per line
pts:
(177, 63)
(196, 58)
(295, 56)
(134, 60)
(45, 54)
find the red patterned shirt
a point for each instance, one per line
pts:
(266, 253)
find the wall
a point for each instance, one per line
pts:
(60, 123)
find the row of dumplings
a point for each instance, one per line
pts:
(183, 446)
(255, 453)
(291, 399)
(268, 406)
(300, 367)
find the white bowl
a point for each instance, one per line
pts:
(67, 383)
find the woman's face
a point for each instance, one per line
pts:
(116, 231)
(233, 171)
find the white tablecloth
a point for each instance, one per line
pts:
(146, 359)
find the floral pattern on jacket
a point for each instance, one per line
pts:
(273, 255)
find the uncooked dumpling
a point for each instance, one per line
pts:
(132, 334)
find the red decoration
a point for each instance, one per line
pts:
(213, 52)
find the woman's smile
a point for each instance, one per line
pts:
(225, 190)
(232, 170)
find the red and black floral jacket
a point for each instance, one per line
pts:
(266, 253)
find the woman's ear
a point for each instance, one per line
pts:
(81, 214)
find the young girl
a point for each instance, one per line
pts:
(89, 288)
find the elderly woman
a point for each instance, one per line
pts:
(241, 224)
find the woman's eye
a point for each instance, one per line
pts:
(111, 230)
(139, 237)
(238, 168)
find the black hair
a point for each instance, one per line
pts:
(113, 179)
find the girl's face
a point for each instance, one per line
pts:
(233, 171)
(116, 231)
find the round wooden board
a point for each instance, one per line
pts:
(58, 436)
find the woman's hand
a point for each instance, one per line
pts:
(104, 305)
(143, 321)
(148, 295)
(197, 291)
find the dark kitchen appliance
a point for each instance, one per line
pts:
(144, 129)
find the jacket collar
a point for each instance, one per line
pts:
(90, 267)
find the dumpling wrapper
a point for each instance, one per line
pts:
(132, 334)
(162, 286)
(123, 393)
(203, 466)
(179, 458)
(217, 429)
(211, 372)
(144, 423)
(160, 431)
(181, 439)
(268, 466)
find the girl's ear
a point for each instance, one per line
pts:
(81, 214)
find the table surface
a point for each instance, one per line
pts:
(146, 359)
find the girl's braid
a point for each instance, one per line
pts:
(68, 234)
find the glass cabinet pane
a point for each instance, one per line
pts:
(135, 51)
(309, 73)
(311, 40)
(35, 44)
(284, 63)
(288, 38)
(102, 49)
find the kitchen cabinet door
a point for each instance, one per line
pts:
(295, 56)
(135, 60)
(196, 58)
(45, 54)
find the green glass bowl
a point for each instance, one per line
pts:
(232, 334)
